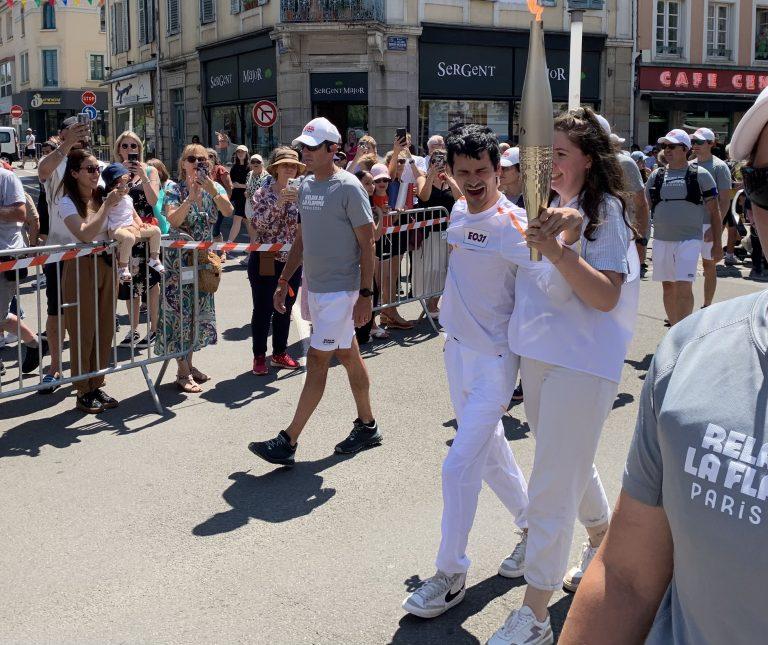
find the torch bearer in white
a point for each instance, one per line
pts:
(536, 125)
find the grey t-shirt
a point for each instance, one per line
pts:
(329, 211)
(11, 193)
(700, 452)
(678, 220)
(633, 180)
(720, 173)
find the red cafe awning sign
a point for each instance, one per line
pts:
(685, 79)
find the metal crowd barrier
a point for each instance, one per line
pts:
(66, 258)
(412, 259)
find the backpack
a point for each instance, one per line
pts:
(692, 188)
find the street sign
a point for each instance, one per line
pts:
(17, 111)
(16, 121)
(91, 112)
(265, 114)
(89, 98)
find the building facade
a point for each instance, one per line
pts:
(49, 55)
(368, 65)
(702, 62)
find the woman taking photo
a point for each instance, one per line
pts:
(191, 207)
(274, 221)
(572, 353)
(239, 175)
(220, 175)
(90, 325)
(144, 191)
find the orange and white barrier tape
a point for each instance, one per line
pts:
(49, 258)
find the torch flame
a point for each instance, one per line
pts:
(535, 9)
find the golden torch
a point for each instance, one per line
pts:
(536, 125)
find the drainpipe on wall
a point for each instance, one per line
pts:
(632, 75)
(159, 147)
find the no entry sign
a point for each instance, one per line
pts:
(89, 98)
(17, 111)
(265, 114)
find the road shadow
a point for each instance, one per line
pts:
(624, 398)
(642, 365)
(66, 428)
(727, 272)
(514, 430)
(281, 495)
(448, 628)
(237, 333)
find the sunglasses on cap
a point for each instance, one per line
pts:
(193, 159)
(756, 185)
(91, 170)
(132, 146)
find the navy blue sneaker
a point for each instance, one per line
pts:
(276, 451)
(362, 436)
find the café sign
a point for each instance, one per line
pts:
(684, 79)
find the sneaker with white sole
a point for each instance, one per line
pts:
(522, 628)
(437, 595)
(514, 565)
(155, 264)
(574, 575)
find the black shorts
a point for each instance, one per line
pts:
(52, 288)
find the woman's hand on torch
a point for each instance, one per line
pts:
(568, 221)
(548, 245)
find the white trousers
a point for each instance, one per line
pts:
(566, 411)
(481, 387)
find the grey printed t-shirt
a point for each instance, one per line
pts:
(720, 172)
(329, 211)
(633, 181)
(700, 452)
(11, 194)
(679, 220)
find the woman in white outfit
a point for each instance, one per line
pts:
(572, 353)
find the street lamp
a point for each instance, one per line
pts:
(577, 8)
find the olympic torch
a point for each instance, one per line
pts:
(536, 125)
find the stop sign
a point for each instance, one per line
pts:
(89, 98)
(17, 111)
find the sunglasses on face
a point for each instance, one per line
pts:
(91, 170)
(401, 162)
(756, 185)
(255, 163)
(131, 146)
(193, 159)
(670, 146)
(698, 142)
(304, 146)
(381, 181)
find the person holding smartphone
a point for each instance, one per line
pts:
(366, 147)
(415, 166)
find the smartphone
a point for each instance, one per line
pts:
(202, 170)
(401, 133)
(82, 119)
(294, 183)
(439, 160)
(133, 157)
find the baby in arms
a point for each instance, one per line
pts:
(124, 224)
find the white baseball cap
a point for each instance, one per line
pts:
(318, 131)
(615, 138)
(749, 128)
(511, 157)
(677, 137)
(704, 133)
(604, 123)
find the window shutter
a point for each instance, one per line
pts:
(125, 34)
(207, 11)
(150, 11)
(113, 35)
(173, 17)
(142, 7)
(236, 6)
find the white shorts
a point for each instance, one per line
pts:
(331, 315)
(675, 261)
(706, 247)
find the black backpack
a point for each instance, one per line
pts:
(692, 188)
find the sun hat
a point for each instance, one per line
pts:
(749, 128)
(380, 171)
(677, 137)
(316, 132)
(285, 156)
(704, 133)
(113, 172)
(511, 157)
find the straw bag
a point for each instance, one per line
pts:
(208, 271)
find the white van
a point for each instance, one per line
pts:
(9, 144)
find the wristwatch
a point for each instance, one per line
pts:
(642, 241)
(366, 293)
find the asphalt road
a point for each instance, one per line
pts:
(132, 527)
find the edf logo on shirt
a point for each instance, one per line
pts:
(476, 238)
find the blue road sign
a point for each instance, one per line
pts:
(91, 112)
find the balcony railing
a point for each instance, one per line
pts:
(332, 10)
(719, 52)
(669, 50)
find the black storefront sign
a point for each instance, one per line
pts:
(466, 71)
(347, 87)
(237, 78)
(558, 63)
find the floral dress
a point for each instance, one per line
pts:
(177, 309)
(273, 224)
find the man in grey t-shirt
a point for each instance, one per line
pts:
(703, 140)
(680, 209)
(335, 242)
(637, 208)
(684, 561)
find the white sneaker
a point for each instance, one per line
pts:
(574, 576)
(437, 595)
(8, 339)
(514, 565)
(522, 628)
(125, 274)
(156, 265)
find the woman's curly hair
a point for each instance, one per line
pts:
(605, 176)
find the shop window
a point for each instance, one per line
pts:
(259, 140)
(49, 17)
(96, 67)
(439, 116)
(669, 28)
(761, 33)
(225, 120)
(174, 19)
(718, 30)
(24, 68)
(50, 68)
